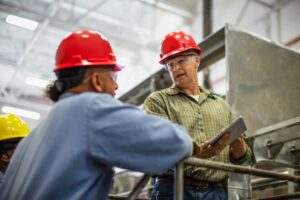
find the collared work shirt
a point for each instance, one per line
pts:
(70, 154)
(203, 119)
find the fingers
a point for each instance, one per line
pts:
(206, 144)
(237, 142)
(221, 144)
(223, 140)
(205, 150)
(208, 151)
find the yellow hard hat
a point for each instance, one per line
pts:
(12, 127)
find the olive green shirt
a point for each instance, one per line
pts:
(203, 120)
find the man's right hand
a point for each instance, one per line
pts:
(207, 150)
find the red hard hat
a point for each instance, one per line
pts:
(84, 48)
(177, 42)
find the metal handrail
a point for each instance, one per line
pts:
(178, 184)
(240, 169)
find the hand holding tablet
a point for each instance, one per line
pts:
(235, 129)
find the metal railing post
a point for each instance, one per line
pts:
(178, 181)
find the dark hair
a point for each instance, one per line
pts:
(66, 79)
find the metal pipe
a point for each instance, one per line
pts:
(240, 169)
(178, 178)
(139, 187)
(207, 30)
(276, 127)
(207, 17)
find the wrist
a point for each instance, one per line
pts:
(237, 154)
(196, 148)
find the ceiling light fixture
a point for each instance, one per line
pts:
(22, 22)
(21, 112)
(36, 82)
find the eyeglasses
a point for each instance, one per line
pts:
(181, 61)
(111, 74)
(114, 75)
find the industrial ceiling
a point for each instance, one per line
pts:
(134, 28)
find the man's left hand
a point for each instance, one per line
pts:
(238, 148)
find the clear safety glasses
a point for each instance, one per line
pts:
(181, 61)
(111, 74)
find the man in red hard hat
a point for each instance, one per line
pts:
(202, 113)
(71, 153)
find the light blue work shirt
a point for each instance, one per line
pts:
(70, 154)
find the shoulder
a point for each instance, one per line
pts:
(90, 100)
(165, 93)
(93, 96)
(218, 99)
(157, 95)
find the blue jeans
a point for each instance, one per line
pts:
(164, 191)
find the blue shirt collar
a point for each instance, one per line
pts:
(66, 95)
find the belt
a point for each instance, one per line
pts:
(194, 183)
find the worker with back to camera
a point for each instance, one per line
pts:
(71, 153)
(12, 130)
(202, 113)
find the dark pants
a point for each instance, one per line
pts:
(164, 191)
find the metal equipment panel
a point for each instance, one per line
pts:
(263, 79)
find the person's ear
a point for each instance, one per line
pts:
(5, 157)
(97, 82)
(197, 62)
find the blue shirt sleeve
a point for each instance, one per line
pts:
(125, 136)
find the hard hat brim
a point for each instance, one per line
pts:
(176, 52)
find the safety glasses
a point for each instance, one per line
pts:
(181, 61)
(111, 74)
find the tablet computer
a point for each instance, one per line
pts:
(235, 129)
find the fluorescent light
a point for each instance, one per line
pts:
(22, 22)
(36, 82)
(21, 112)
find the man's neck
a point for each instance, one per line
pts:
(193, 90)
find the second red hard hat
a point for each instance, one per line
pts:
(177, 42)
